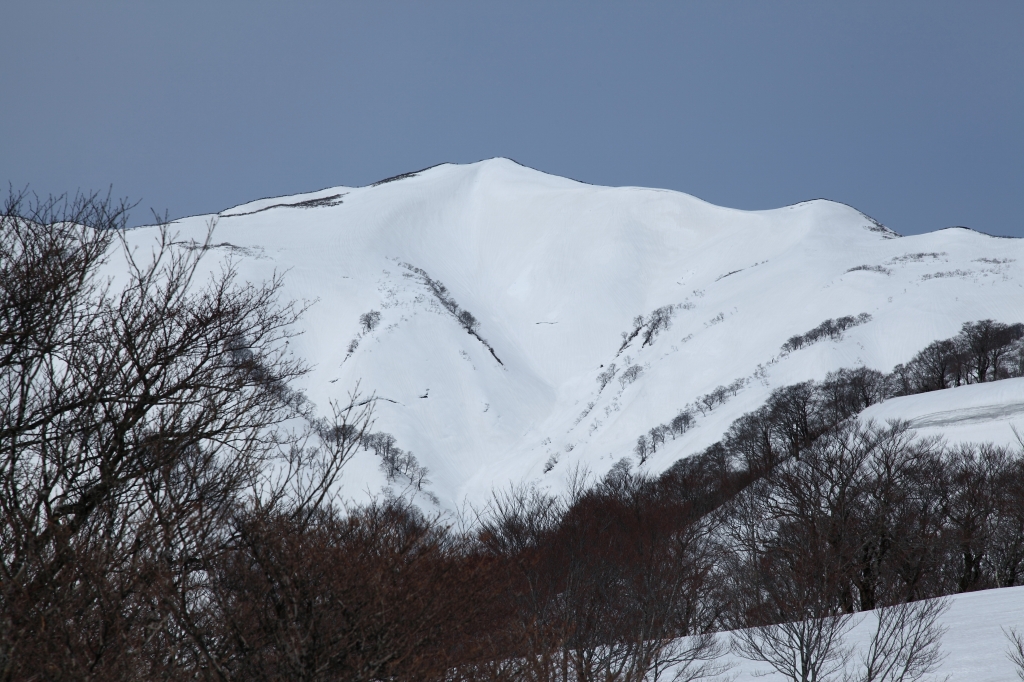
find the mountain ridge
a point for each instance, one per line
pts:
(554, 271)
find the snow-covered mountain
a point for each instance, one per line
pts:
(554, 272)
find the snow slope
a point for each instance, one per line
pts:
(965, 414)
(554, 271)
(974, 643)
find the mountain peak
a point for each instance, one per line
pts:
(556, 275)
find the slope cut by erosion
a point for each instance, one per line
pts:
(554, 275)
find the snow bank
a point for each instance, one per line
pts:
(977, 413)
(974, 643)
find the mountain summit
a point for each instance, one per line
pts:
(516, 325)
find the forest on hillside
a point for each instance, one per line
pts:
(168, 507)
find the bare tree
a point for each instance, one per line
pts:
(659, 320)
(755, 439)
(969, 490)
(606, 376)
(795, 412)
(126, 416)
(1016, 651)
(906, 643)
(789, 563)
(630, 374)
(381, 592)
(369, 321)
(642, 448)
(657, 435)
(985, 343)
(681, 422)
(467, 320)
(1006, 554)
(809, 650)
(784, 611)
(608, 584)
(516, 529)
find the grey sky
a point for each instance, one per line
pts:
(912, 112)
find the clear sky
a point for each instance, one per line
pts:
(913, 112)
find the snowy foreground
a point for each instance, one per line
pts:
(554, 271)
(974, 643)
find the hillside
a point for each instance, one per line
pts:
(554, 272)
(974, 643)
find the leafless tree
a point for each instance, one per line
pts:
(369, 321)
(134, 424)
(681, 423)
(808, 650)
(630, 374)
(657, 435)
(606, 376)
(784, 609)
(1005, 558)
(755, 439)
(846, 392)
(380, 592)
(627, 337)
(985, 343)
(516, 529)
(1016, 651)
(906, 643)
(659, 320)
(969, 489)
(642, 449)
(797, 417)
(818, 539)
(467, 320)
(608, 584)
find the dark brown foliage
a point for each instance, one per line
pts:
(603, 585)
(376, 594)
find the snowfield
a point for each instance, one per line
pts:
(979, 413)
(555, 271)
(974, 643)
